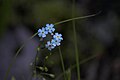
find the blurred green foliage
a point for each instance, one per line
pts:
(35, 12)
(5, 11)
(39, 12)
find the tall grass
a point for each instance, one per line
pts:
(76, 50)
(62, 63)
(14, 59)
(75, 41)
(74, 66)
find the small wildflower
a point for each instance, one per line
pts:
(55, 42)
(49, 45)
(50, 28)
(58, 37)
(42, 32)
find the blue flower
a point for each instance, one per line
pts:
(50, 28)
(50, 46)
(42, 32)
(55, 42)
(58, 37)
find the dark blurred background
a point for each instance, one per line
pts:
(20, 19)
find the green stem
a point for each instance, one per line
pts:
(10, 66)
(76, 18)
(74, 66)
(75, 45)
(24, 44)
(46, 58)
(13, 61)
(62, 62)
(36, 59)
(69, 73)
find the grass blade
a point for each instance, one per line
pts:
(75, 44)
(62, 62)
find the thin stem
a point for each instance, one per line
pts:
(74, 66)
(46, 58)
(35, 62)
(25, 43)
(76, 18)
(14, 59)
(75, 44)
(69, 73)
(10, 66)
(62, 62)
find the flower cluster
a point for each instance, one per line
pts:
(56, 40)
(44, 31)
